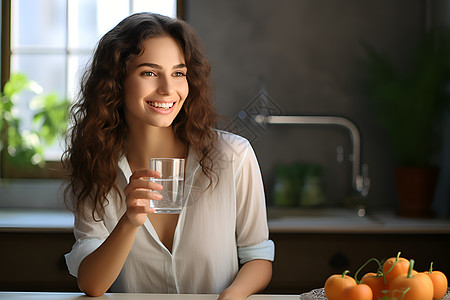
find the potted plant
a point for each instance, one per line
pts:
(409, 106)
(22, 150)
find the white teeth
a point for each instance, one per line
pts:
(162, 105)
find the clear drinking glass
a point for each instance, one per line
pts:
(172, 180)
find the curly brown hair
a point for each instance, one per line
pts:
(97, 139)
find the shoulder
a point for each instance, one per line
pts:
(230, 144)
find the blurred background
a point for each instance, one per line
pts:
(380, 65)
(310, 58)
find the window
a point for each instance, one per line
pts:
(51, 40)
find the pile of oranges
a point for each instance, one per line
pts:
(395, 279)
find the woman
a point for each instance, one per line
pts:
(146, 95)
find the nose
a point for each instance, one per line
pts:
(165, 86)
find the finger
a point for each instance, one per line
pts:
(143, 195)
(133, 202)
(148, 184)
(136, 207)
(141, 209)
(140, 179)
(142, 183)
(144, 173)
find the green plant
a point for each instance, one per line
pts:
(408, 104)
(24, 148)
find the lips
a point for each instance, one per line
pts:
(162, 107)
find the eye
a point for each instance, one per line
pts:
(148, 73)
(179, 74)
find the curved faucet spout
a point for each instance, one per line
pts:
(326, 120)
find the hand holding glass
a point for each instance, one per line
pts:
(172, 179)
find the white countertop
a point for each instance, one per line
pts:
(347, 221)
(36, 220)
(79, 296)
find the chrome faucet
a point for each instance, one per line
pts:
(360, 178)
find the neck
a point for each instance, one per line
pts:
(153, 142)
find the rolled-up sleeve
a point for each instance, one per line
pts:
(89, 235)
(80, 250)
(264, 250)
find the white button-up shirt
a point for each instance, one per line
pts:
(220, 227)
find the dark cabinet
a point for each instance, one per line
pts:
(34, 261)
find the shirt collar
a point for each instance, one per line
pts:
(124, 166)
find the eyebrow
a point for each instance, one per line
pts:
(156, 66)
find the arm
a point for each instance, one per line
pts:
(99, 270)
(253, 277)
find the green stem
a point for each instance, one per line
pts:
(381, 274)
(395, 261)
(411, 266)
(404, 293)
(365, 264)
(394, 294)
(345, 273)
(431, 268)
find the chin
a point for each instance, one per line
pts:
(162, 124)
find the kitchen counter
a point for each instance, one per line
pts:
(32, 220)
(348, 221)
(79, 296)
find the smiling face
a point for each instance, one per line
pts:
(156, 85)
